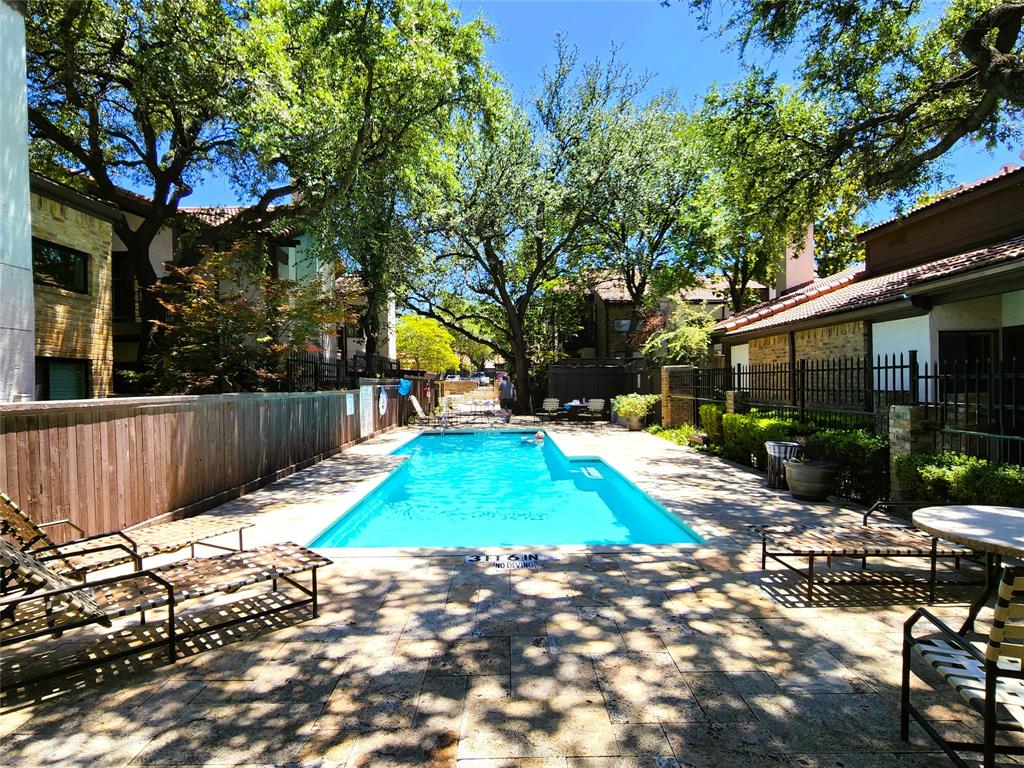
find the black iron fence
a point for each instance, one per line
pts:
(974, 406)
(311, 372)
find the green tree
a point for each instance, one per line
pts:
(641, 233)
(759, 196)
(425, 344)
(231, 328)
(292, 100)
(902, 83)
(504, 239)
(683, 338)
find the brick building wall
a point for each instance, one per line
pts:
(618, 341)
(69, 324)
(769, 349)
(833, 341)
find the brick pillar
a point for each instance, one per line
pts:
(735, 402)
(910, 431)
(676, 407)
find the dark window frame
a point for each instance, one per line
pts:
(86, 364)
(37, 278)
(124, 289)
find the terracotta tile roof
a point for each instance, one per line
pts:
(960, 189)
(767, 309)
(856, 291)
(214, 215)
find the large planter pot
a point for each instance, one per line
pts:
(810, 482)
(634, 423)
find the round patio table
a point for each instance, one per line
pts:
(996, 531)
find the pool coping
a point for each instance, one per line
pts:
(710, 535)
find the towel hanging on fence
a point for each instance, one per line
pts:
(404, 387)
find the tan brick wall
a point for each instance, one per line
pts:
(69, 324)
(833, 341)
(618, 340)
(770, 349)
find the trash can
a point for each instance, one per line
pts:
(778, 452)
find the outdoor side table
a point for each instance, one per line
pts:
(996, 531)
(778, 452)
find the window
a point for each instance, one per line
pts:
(60, 266)
(967, 350)
(123, 288)
(622, 326)
(62, 379)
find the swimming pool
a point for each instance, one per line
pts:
(481, 489)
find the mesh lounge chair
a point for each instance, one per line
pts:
(785, 542)
(991, 682)
(105, 550)
(52, 604)
(550, 409)
(594, 411)
(421, 419)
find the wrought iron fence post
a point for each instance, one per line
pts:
(914, 376)
(802, 387)
(869, 383)
(695, 403)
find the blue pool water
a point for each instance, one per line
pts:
(483, 489)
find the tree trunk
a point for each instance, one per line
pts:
(522, 382)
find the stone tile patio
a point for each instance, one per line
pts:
(646, 656)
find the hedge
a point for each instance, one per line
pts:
(955, 478)
(711, 421)
(862, 458)
(744, 435)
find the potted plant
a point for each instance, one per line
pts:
(810, 480)
(634, 409)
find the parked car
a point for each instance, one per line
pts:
(481, 378)
(453, 377)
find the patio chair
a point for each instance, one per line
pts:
(52, 604)
(421, 419)
(992, 683)
(889, 539)
(550, 409)
(84, 555)
(594, 411)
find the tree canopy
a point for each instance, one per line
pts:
(424, 344)
(899, 89)
(504, 239)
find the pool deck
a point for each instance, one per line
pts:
(680, 656)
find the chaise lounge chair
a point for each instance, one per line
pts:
(82, 556)
(594, 411)
(421, 419)
(550, 409)
(992, 683)
(52, 604)
(889, 539)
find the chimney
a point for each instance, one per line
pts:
(797, 267)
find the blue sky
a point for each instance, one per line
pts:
(663, 41)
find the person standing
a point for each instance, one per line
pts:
(506, 396)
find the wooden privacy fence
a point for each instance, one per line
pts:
(110, 464)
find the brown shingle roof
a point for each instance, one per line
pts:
(857, 291)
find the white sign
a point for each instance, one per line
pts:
(382, 402)
(350, 404)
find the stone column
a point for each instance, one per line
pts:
(910, 431)
(735, 402)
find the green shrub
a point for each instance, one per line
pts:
(862, 458)
(634, 405)
(679, 435)
(744, 435)
(955, 478)
(711, 421)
